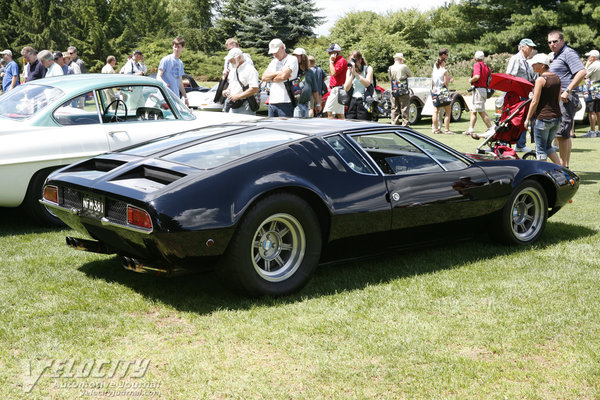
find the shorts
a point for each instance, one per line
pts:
(332, 105)
(592, 106)
(568, 111)
(479, 98)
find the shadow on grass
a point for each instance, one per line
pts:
(16, 222)
(203, 293)
(589, 178)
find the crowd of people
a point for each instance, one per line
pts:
(297, 86)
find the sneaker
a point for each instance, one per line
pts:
(523, 149)
(590, 134)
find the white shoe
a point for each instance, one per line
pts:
(589, 134)
(523, 149)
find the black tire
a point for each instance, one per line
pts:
(523, 218)
(280, 230)
(456, 110)
(414, 111)
(529, 156)
(37, 212)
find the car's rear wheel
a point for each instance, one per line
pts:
(414, 112)
(37, 212)
(456, 110)
(275, 249)
(523, 218)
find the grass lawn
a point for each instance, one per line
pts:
(469, 320)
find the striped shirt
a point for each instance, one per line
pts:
(566, 64)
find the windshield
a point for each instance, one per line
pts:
(26, 100)
(185, 112)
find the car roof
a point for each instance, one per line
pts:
(82, 82)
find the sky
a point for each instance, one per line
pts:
(335, 9)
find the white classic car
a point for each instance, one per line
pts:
(421, 104)
(52, 122)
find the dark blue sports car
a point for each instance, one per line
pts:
(264, 201)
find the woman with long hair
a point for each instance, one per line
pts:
(439, 85)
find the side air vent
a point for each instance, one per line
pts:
(158, 175)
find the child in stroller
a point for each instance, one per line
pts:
(506, 131)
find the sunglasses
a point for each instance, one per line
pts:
(553, 41)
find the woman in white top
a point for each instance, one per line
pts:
(359, 76)
(440, 80)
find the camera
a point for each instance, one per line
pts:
(471, 89)
(352, 61)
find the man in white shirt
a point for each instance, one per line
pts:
(243, 83)
(592, 80)
(283, 68)
(133, 65)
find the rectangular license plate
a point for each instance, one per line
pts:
(93, 205)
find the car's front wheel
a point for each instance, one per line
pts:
(275, 249)
(523, 218)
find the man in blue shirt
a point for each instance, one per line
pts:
(11, 72)
(170, 69)
(570, 70)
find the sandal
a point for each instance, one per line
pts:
(468, 133)
(449, 133)
(438, 132)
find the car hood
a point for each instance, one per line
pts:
(8, 125)
(212, 117)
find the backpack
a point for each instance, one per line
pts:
(490, 92)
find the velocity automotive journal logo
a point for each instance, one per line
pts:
(87, 374)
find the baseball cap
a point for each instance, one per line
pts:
(334, 47)
(299, 51)
(398, 55)
(235, 52)
(540, 58)
(137, 52)
(57, 55)
(528, 42)
(479, 55)
(275, 45)
(593, 53)
(7, 52)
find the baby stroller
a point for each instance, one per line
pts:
(508, 127)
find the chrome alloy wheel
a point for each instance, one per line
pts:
(456, 111)
(278, 247)
(527, 214)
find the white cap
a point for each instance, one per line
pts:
(398, 55)
(235, 52)
(593, 53)
(334, 47)
(479, 55)
(10, 52)
(299, 51)
(540, 58)
(275, 45)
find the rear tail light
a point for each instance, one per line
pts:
(50, 194)
(138, 217)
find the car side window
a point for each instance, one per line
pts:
(80, 110)
(134, 103)
(349, 155)
(395, 155)
(450, 161)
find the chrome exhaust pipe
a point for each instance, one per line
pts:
(131, 264)
(93, 246)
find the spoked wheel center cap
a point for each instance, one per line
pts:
(269, 245)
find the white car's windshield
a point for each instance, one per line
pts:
(26, 100)
(185, 112)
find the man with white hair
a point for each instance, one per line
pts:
(282, 69)
(592, 81)
(243, 83)
(518, 66)
(479, 81)
(47, 59)
(399, 74)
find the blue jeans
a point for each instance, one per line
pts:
(522, 142)
(544, 131)
(301, 111)
(281, 110)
